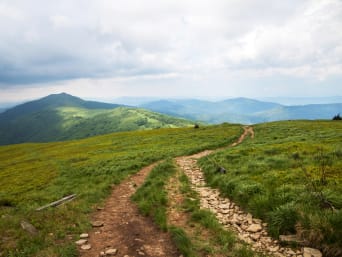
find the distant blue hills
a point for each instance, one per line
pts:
(242, 110)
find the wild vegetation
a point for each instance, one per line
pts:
(290, 175)
(153, 200)
(32, 175)
(65, 117)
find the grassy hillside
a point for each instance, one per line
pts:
(32, 175)
(64, 117)
(290, 175)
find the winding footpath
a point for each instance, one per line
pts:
(250, 230)
(120, 230)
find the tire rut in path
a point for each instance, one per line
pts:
(248, 229)
(124, 228)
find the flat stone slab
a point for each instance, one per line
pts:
(111, 252)
(311, 252)
(86, 247)
(97, 224)
(81, 241)
(254, 228)
(84, 236)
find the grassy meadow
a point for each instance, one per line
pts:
(32, 175)
(290, 175)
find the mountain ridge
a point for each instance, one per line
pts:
(62, 117)
(242, 110)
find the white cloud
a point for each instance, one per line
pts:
(216, 40)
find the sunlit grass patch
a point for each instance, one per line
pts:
(287, 174)
(32, 175)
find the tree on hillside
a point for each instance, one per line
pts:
(337, 117)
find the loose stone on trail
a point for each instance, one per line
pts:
(97, 224)
(84, 235)
(86, 247)
(81, 241)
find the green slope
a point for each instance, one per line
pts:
(265, 176)
(63, 117)
(290, 175)
(32, 175)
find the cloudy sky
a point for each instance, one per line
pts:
(171, 48)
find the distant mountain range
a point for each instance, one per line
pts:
(241, 110)
(62, 117)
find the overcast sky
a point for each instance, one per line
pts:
(170, 48)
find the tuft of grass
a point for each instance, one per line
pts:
(283, 220)
(151, 197)
(182, 241)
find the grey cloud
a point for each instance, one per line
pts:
(49, 41)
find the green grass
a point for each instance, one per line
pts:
(151, 197)
(288, 175)
(152, 200)
(32, 175)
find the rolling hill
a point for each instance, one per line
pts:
(242, 110)
(32, 175)
(62, 117)
(275, 176)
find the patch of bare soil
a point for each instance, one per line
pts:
(124, 228)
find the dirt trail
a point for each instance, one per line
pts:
(124, 228)
(247, 228)
(247, 130)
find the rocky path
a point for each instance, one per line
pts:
(120, 230)
(250, 230)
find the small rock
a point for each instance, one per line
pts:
(81, 241)
(102, 254)
(249, 218)
(257, 221)
(291, 252)
(86, 247)
(255, 237)
(274, 248)
(84, 235)
(97, 224)
(29, 227)
(254, 228)
(224, 206)
(311, 252)
(111, 252)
